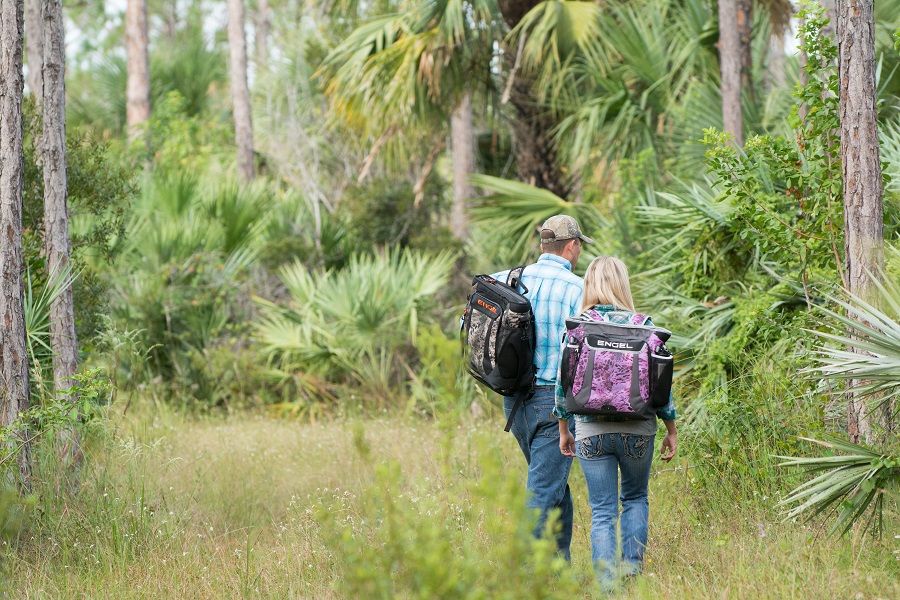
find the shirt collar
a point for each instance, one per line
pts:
(554, 258)
(605, 307)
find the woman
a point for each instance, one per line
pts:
(606, 448)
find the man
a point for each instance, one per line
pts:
(555, 294)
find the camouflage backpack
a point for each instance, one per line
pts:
(498, 333)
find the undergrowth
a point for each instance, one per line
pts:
(175, 507)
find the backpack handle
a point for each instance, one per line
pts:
(640, 319)
(514, 280)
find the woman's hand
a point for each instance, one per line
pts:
(566, 439)
(669, 445)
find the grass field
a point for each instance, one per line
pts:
(254, 507)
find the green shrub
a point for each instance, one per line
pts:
(471, 539)
(357, 326)
(735, 431)
(439, 382)
(384, 212)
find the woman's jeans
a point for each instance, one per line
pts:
(602, 457)
(537, 432)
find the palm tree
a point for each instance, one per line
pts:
(422, 64)
(14, 384)
(420, 69)
(643, 79)
(462, 136)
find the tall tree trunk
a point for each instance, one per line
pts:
(462, 145)
(34, 47)
(861, 164)
(14, 362)
(138, 60)
(777, 71)
(730, 66)
(536, 156)
(240, 91)
(745, 32)
(830, 7)
(63, 341)
(262, 35)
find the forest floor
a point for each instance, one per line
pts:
(173, 507)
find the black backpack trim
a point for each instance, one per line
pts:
(514, 281)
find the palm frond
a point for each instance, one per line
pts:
(39, 299)
(869, 353)
(852, 483)
(334, 318)
(554, 29)
(515, 210)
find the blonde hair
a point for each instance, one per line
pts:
(606, 282)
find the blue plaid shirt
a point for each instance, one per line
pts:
(555, 294)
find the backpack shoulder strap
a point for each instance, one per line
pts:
(595, 315)
(514, 280)
(640, 319)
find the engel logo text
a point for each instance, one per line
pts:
(618, 345)
(484, 304)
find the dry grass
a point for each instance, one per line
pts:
(171, 508)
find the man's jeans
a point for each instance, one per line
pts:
(601, 458)
(537, 432)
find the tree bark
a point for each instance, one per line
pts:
(462, 145)
(240, 91)
(262, 35)
(730, 66)
(514, 10)
(138, 61)
(14, 362)
(63, 340)
(34, 47)
(861, 165)
(777, 70)
(745, 31)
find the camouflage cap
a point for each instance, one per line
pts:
(562, 227)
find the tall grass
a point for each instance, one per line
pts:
(249, 507)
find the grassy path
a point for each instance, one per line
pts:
(224, 509)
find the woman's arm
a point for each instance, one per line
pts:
(670, 442)
(566, 439)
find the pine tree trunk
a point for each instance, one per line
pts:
(262, 35)
(745, 30)
(777, 71)
(14, 362)
(34, 47)
(730, 66)
(462, 145)
(861, 164)
(138, 61)
(240, 91)
(63, 341)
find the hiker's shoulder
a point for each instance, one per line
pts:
(551, 266)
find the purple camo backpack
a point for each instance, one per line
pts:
(623, 371)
